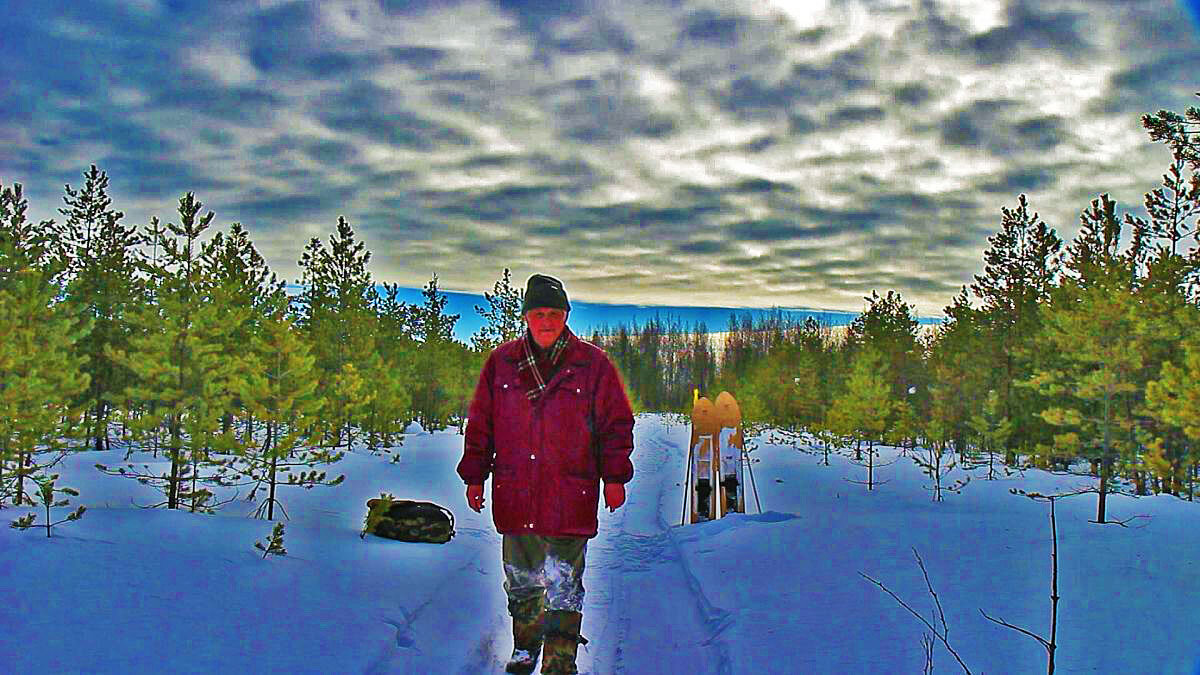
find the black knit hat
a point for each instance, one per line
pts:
(544, 291)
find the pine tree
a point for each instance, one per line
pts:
(274, 544)
(280, 392)
(957, 381)
(1173, 400)
(24, 245)
(40, 369)
(936, 463)
(334, 314)
(41, 375)
(391, 409)
(1021, 268)
(1090, 328)
(440, 367)
(46, 492)
(503, 316)
(992, 430)
(861, 413)
(177, 354)
(432, 322)
(235, 265)
(888, 326)
(1180, 132)
(102, 283)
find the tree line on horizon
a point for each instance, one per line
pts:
(1057, 353)
(189, 346)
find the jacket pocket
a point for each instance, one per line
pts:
(580, 501)
(510, 504)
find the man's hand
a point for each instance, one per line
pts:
(475, 497)
(614, 496)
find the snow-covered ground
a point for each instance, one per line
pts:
(130, 590)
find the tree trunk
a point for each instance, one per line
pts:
(1192, 483)
(21, 461)
(1105, 470)
(274, 466)
(1139, 483)
(99, 429)
(870, 468)
(173, 483)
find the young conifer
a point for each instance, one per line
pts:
(102, 284)
(334, 314)
(862, 411)
(503, 320)
(281, 393)
(41, 371)
(438, 370)
(390, 410)
(1093, 384)
(42, 376)
(183, 375)
(46, 492)
(1021, 267)
(274, 544)
(240, 271)
(1173, 399)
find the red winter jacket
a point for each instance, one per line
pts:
(547, 457)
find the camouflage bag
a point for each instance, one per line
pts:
(406, 520)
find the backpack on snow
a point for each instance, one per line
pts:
(407, 520)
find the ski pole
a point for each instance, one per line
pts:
(687, 487)
(750, 468)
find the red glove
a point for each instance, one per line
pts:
(475, 497)
(614, 496)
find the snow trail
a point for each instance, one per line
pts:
(645, 609)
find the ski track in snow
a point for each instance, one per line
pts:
(395, 656)
(645, 595)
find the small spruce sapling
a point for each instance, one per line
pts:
(274, 545)
(376, 513)
(936, 463)
(46, 491)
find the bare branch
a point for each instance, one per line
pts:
(1122, 523)
(936, 602)
(1006, 624)
(922, 619)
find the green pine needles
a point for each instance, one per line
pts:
(274, 543)
(47, 491)
(376, 513)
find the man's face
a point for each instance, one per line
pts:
(546, 324)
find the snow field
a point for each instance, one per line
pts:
(128, 590)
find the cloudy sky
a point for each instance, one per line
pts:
(761, 153)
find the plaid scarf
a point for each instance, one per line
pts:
(537, 363)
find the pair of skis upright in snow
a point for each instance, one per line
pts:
(717, 460)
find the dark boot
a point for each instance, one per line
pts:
(562, 642)
(527, 635)
(703, 490)
(731, 493)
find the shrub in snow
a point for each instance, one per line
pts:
(274, 545)
(377, 512)
(46, 492)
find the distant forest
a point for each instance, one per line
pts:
(173, 339)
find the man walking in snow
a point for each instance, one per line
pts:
(549, 420)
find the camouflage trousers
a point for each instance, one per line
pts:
(549, 567)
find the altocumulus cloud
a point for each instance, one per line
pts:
(752, 153)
